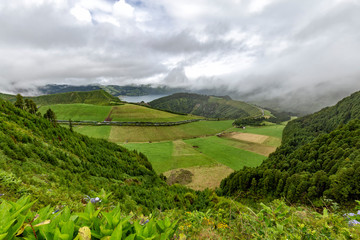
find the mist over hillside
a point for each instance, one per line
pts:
(294, 56)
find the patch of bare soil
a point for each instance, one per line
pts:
(204, 176)
(180, 176)
(248, 137)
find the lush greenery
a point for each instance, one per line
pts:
(97, 97)
(99, 221)
(268, 130)
(58, 166)
(319, 158)
(137, 113)
(207, 106)
(121, 113)
(272, 117)
(318, 164)
(78, 111)
(152, 134)
(220, 150)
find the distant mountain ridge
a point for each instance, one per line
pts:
(115, 90)
(207, 106)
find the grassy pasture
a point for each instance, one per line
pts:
(132, 112)
(94, 131)
(225, 154)
(165, 156)
(262, 149)
(167, 133)
(159, 154)
(78, 112)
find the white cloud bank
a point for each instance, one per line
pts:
(257, 49)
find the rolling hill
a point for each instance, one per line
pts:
(58, 166)
(97, 97)
(319, 158)
(207, 106)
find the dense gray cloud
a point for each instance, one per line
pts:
(297, 55)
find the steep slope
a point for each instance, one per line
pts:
(97, 97)
(319, 157)
(207, 106)
(303, 130)
(58, 166)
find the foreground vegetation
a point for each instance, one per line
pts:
(103, 221)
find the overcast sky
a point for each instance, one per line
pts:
(257, 48)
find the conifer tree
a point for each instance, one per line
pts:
(19, 101)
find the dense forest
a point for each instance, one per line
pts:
(319, 158)
(57, 165)
(206, 106)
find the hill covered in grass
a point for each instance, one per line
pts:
(207, 106)
(97, 97)
(58, 166)
(319, 158)
(119, 113)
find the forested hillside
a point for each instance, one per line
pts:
(207, 106)
(319, 157)
(97, 97)
(58, 166)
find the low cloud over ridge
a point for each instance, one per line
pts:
(298, 52)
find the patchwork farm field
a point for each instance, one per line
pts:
(131, 112)
(210, 150)
(166, 133)
(121, 113)
(212, 158)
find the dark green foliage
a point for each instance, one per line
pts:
(319, 157)
(249, 121)
(50, 115)
(278, 118)
(19, 103)
(30, 106)
(304, 129)
(70, 125)
(207, 106)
